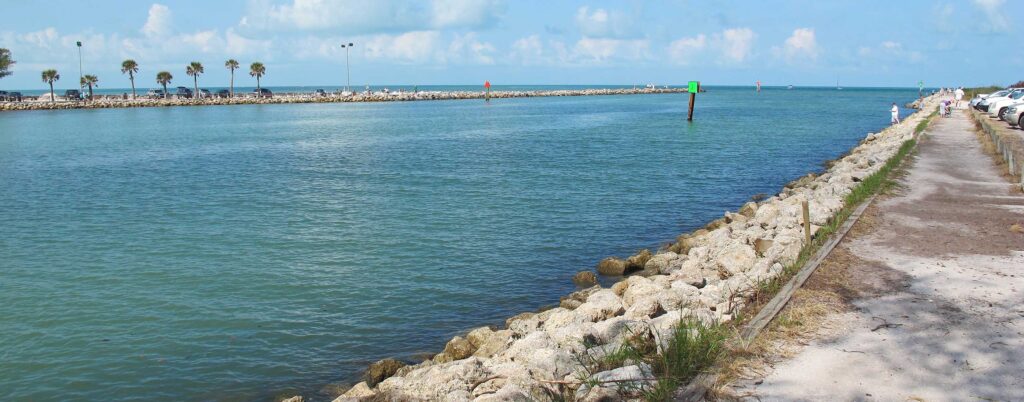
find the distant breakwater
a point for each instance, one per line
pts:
(102, 103)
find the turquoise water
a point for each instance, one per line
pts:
(241, 252)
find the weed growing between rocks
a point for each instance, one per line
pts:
(693, 346)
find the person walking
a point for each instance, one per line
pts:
(895, 113)
(959, 94)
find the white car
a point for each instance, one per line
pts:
(986, 104)
(997, 107)
(1015, 114)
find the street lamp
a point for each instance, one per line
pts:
(348, 71)
(80, 83)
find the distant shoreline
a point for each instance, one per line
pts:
(107, 102)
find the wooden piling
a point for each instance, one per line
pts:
(807, 221)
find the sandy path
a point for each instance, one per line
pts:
(951, 325)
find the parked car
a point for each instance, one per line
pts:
(983, 105)
(3, 96)
(263, 93)
(1015, 114)
(73, 94)
(155, 94)
(183, 92)
(14, 97)
(204, 93)
(320, 92)
(998, 106)
(223, 94)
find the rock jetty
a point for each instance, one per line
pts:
(43, 102)
(708, 276)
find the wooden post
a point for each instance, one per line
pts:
(689, 114)
(807, 222)
(693, 87)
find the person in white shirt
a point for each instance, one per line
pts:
(895, 114)
(959, 94)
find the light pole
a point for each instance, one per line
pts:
(348, 72)
(80, 84)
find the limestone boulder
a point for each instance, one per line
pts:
(381, 370)
(612, 266)
(629, 377)
(735, 258)
(601, 305)
(359, 393)
(584, 278)
(457, 349)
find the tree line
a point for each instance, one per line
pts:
(131, 68)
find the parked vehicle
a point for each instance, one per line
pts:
(1015, 114)
(3, 96)
(204, 93)
(14, 97)
(998, 106)
(183, 93)
(263, 93)
(983, 105)
(223, 94)
(73, 94)
(320, 92)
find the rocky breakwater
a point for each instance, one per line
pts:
(707, 275)
(103, 103)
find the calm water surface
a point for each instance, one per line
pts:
(241, 252)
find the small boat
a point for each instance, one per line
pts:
(789, 87)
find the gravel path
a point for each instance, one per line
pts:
(951, 324)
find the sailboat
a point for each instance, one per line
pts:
(838, 88)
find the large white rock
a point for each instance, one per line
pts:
(735, 258)
(601, 305)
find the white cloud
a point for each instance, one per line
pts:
(684, 50)
(600, 51)
(889, 51)
(993, 10)
(528, 50)
(410, 47)
(465, 13)
(736, 44)
(601, 23)
(802, 44)
(467, 48)
(159, 21)
(380, 16)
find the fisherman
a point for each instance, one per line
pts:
(895, 113)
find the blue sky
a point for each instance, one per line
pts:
(800, 42)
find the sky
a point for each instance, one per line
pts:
(422, 42)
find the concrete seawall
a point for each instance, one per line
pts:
(44, 104)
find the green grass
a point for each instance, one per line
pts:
(693, 347)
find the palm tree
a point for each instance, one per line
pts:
(232, 65)
(164, 78)
(5, 62)
(49, 76)
(90, 81)
(257, 70)
(194, 69)
(131, 67)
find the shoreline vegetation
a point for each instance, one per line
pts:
(673, 313)
(44, 102)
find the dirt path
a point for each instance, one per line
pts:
(943, 272)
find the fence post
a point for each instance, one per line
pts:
(807, 222)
